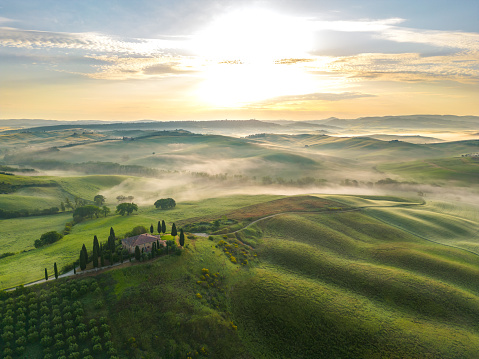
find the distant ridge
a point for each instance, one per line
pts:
(252, 126)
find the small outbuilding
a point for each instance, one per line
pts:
(143, 241)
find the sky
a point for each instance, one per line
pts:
(164, 60)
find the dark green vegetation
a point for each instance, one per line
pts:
(58, 320)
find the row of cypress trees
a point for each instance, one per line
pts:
(98, 250)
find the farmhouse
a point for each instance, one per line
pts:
(143, 241)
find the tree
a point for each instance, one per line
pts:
(62, 206)
(173, 230)
(99, 200)
(182, 238)
(137, 231)
(163, 226)
(159, 227)
(82, 260)
(96, 244)
(68, 204)
(86, 211)
(121, 198)
(165, 203)
(112, 232)
(127, 208)
(152, 229)
(95, 256)
(46, 274)
(105, 210)
(137, 253)
(47, 238)
(153, 250)
(55, 269)
(86, 253)
(102, 259)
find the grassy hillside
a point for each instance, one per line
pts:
(44, 192)
(462, 170)
(20, 233)
(316, 284)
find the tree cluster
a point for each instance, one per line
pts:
(127, 208)
(47, 238)
(165, 203)
(27, 213)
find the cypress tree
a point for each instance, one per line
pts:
(159, 227)
(95, 244)
(157, 244)
(151, 229)
(137, 253)
(129, 256)
(163, 226)
(86, 253)
(55, 269)
(121, 256)
(182, 238)
(153, 250)
(95, 257)
(102, 259)
(82, 260)
(173, 230)
(46, 274)
(112, 232)
(74, 269)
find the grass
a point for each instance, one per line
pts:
(461, 170)
(318, 284)
(444, 228)
(29, 266)
(18, 234)
(347, 285)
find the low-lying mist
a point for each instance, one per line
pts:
(183, 187)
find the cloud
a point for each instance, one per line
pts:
(409, 67)
(452, 39)
(31, 39)
(357, 26)
(121, 68)
(292, 61)
(6, 20)
(291, 99)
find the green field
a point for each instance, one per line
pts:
(335, 284)
(461, 170)
(19, 234)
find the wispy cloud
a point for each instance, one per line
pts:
(409, 67)
(121, 68)
(296, 99)
(452, 39)
(357, 26)
(10, 37)
(5, 20)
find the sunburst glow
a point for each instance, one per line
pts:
(242, 47)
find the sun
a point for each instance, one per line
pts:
(242, 52)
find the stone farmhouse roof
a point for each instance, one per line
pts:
(141, 240)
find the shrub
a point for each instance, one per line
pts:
(97, 348)
(47, 238)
